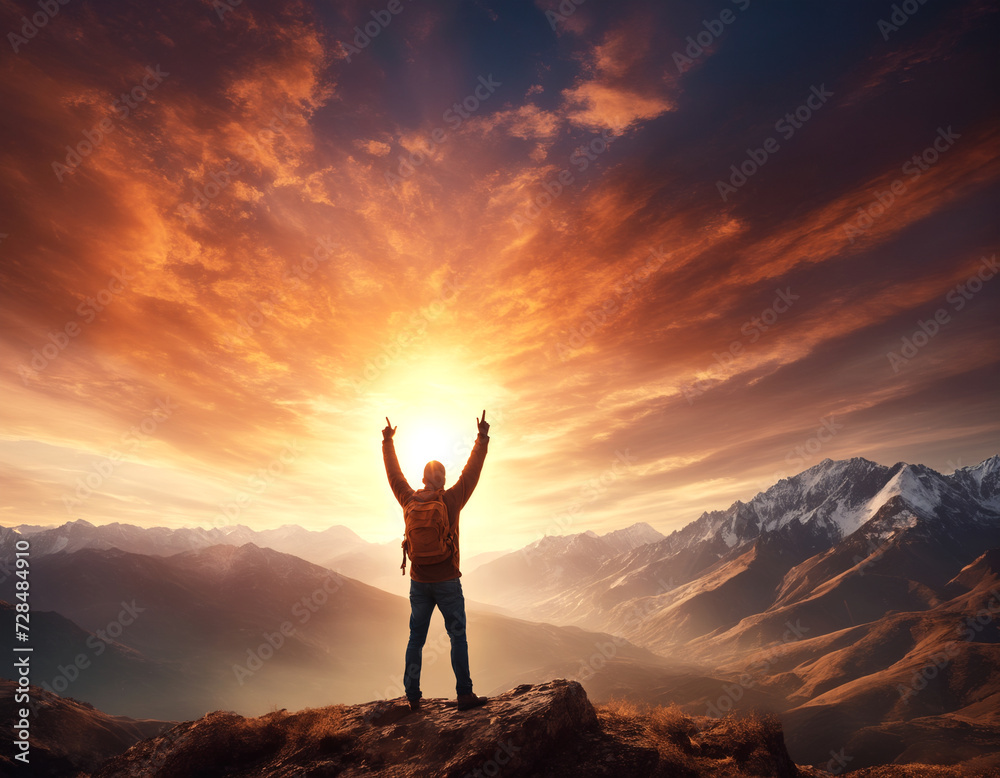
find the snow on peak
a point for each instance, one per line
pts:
(981, 471)
(827, 492)
(919, 486)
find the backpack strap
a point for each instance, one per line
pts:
(402, 567)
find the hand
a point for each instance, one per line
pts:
(389, 430)
(484, 426)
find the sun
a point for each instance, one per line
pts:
(433, 436)
(433, 402)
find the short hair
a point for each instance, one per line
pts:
(434, 474)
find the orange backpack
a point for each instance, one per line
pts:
(428, 538)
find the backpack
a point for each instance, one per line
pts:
(428, 538)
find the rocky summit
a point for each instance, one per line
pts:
(548, 729)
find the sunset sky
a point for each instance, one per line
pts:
(235, 236)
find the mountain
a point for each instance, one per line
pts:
(92, 666)
(547, 730)
(858, 601)
(338, 548)
(725, 564)
(245, 628)
(377, 564)
(821, 598)
(68, 737)
(164, 541)
(518, 580)
(922, 685)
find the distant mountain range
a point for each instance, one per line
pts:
(519, 580)
(323, 545)
(859, 601)
(793, 520)
(245, 628)
(337, 548)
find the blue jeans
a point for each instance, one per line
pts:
(447, 595)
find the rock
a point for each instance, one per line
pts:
(513, 731)
(547, 730)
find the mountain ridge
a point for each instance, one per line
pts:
(814, 510)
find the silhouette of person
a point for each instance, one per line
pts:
(438, 584)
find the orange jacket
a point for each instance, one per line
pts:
(455, 499)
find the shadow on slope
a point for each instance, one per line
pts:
(67, 736)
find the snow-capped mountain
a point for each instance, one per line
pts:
(981, 481)
(856, 500)
(837, 498)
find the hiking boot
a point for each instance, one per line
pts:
(467, 701)
(414, 703)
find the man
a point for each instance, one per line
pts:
(436, 583)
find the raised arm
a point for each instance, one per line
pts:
(397, 481)
(467, 481)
